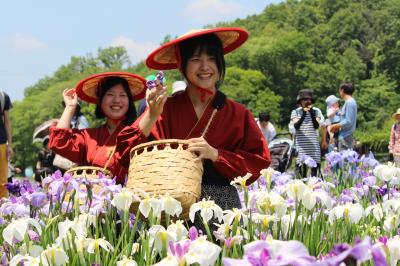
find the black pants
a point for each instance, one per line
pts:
(302, 169)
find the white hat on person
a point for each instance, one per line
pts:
(178, 86)
(331, 99)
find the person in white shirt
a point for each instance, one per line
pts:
(266, 126)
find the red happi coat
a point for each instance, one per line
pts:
(88, 147)
(233, 131)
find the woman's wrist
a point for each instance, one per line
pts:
(70, 108)
(215, 155)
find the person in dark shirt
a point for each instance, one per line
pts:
(44, 164)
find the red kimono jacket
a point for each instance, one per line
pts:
(241, 146)
(90, 146)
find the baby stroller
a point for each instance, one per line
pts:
(282, 151)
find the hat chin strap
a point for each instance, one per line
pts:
(203, 93)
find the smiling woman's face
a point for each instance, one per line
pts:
(115, 102)
(202, 71)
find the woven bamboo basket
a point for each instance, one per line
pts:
(90, 172)
(165, 167)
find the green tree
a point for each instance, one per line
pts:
(249, 87)
(113, 57)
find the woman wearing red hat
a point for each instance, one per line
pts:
(114, 94)
(233, 144)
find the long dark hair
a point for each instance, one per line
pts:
(107, 83)
(208, 43)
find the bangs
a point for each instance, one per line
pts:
(209, 44)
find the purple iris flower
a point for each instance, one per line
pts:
(350, 156)
(132, 220)
(260, 253)
(360, 190)
(281, 179)
(96, 207)
(4, 260)
(241, 197)
(33, 236)
(14, 207)
(179, 250)
(113, 189)
(66, 207)
(347, 254)
(369, 161)
(334, 158)
(381, 191)
(106, 181)
(19, 187)
(38, 199)
(62, 184)
(13, 188)
(193, 233)
(370, 180)
(383, 240)
(21, 210)
(56, 176)
(346, 196)
(378, 256)
(262, 236)
(307, 160)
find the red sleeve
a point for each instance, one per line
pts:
(251, 156)
(129, 137)
(69, 143)
(132, 135)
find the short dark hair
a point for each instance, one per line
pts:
(45, 142)
(208, 43)
(264, 117)
(107, 83)
(347, 88)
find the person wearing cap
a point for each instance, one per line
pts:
(178, 86)
(394, 141)
(348, 117)
(114, 94)
(307, 119)
(333, 117)
(233, 145)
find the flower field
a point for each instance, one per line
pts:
(351, 217)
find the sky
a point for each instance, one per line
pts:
(37, 37)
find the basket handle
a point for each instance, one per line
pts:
(169, 141)
(157, 142)
(209, 122)
(109, 158)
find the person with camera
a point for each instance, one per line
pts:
(307, 119)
